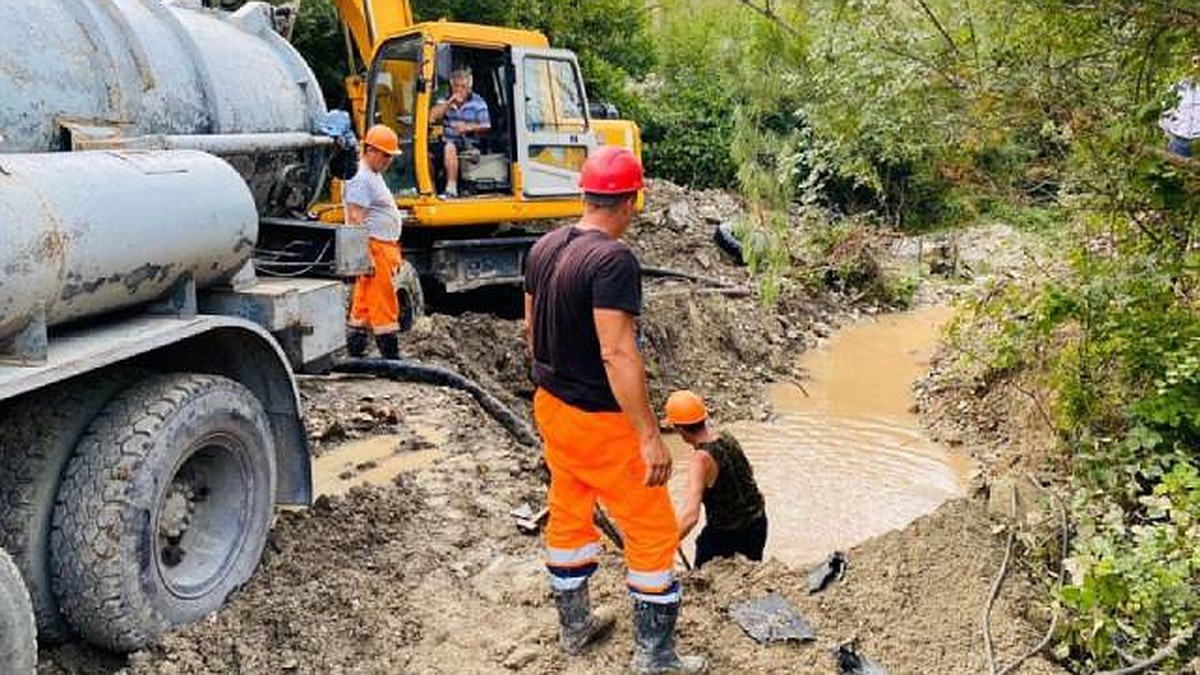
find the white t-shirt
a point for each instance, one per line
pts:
(367, 190)
(1183, 121)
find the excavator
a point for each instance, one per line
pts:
(526, 169)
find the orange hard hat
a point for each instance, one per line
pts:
(612, 170)
(382, 138)
(685, 407)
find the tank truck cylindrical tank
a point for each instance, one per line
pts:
(149, 417)
(80, 74)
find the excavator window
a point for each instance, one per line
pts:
(392, 101)
(554, 100)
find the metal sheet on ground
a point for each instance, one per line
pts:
(772, 619)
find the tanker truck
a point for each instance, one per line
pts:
(149, 417)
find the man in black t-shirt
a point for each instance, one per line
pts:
(582, 296)
(721, 480)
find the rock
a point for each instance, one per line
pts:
(679, 216)
(521, 656)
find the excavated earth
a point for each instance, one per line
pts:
(430, 575)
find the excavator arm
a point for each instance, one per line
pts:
(371, 22)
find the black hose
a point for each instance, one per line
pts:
(668, 273)
(411, 371)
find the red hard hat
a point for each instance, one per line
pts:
(612, 170)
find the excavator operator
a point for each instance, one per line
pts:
(465, 119)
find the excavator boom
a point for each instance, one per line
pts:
(371, 22)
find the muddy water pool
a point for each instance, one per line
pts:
(845, 458)
(375, 460)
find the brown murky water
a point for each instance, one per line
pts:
(375, 460)
(846, 459)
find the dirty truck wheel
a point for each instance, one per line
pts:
(164, 509)
(412, 298)
(18, 639)
(33, 455)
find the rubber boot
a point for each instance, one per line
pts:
(389, 345)
(356, 342)
(654, 641)
(579, 626)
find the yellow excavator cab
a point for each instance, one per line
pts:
(524, 168)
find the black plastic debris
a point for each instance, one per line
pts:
(728, 242)
(772, 619)
(851, 662)
(832, 569)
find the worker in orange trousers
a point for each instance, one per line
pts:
(375, 308)
(582, 296)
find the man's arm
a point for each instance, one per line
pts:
(355, 214)
(438, 112)
(627, 377)
(699, 471)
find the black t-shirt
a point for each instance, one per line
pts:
(569, 273)
(734, 500)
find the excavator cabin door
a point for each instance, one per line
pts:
(553, 132)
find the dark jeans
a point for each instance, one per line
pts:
(749, 541)
(1180, 146)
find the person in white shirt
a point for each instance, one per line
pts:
(375, 309)
(1182, 122)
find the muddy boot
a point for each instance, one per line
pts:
(356, 342)
(389, 345)
(654, 641)
(579, 626)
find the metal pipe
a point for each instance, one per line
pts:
(217, 144)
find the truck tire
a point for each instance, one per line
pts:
(18, 638)
(33, 455)
(412, 297)
(163, 510)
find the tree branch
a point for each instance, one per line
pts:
(1168, 650)
(940, 28)
(768, 12)
(950, 77)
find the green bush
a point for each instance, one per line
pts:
(687, 128)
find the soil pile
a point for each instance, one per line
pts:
(997, 417)
(727, 348)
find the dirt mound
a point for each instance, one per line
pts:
(676, 227)
(726, 347)
(485, 348)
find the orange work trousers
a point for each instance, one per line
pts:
(374, 304)
(596, 456)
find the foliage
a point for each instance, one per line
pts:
(610, 37)
(1072, 95)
